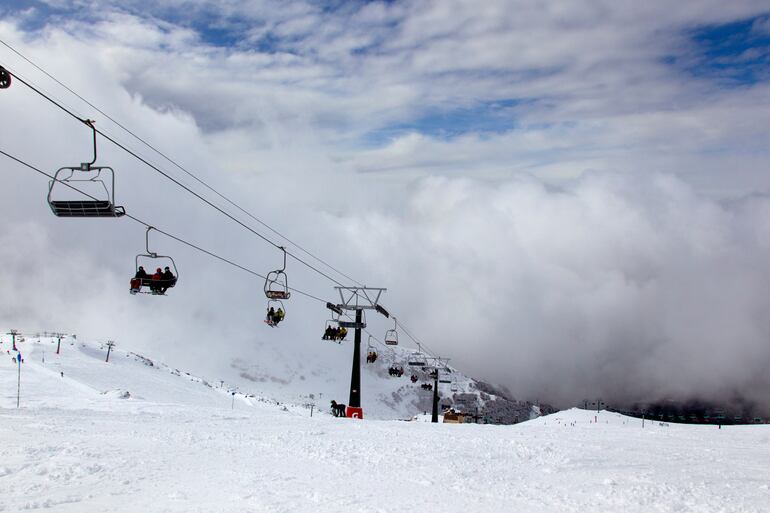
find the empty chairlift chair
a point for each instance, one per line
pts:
(85, 190)
(417, 360)
(276, 283)
(391, 336)
(351, 323)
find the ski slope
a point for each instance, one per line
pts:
(127, 436)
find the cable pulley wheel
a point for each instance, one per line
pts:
(5, 79)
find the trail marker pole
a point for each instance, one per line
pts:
(18, 382)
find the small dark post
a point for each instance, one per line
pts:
(18, 383)
(110, 343)
(58, 342)
(13, 334)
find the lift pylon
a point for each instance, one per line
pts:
(358, 299)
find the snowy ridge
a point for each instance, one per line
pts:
(135, 435)
(79, 377)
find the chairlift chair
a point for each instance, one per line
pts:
(276, 283)
(100, 194)
(5, 78)
(275, 304)
(352, 324)
(371, 353)
(391, 336)
(331, 324)
(156, 287)
(416, 360)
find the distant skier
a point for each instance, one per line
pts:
(62, 373)
(338, 410)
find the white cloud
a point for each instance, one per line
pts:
(584, 243)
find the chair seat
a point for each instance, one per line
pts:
(86, 209)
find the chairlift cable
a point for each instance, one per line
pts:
(176, 164)
(163, 232)
(172, 179)
(186, 188)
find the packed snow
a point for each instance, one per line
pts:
(136, 435)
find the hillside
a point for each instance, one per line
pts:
(279, 375)
(134, 435)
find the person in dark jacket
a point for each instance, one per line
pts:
(168, 279)
(139, 278)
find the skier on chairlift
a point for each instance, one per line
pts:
(156, 278)
(136, 283)
(168, 278)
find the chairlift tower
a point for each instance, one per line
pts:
(438, 364)
(58, 336)
(110, 345)
(14, 334)
(358, 299)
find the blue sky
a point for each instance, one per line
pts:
(734, 53)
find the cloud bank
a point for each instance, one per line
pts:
(569, 199)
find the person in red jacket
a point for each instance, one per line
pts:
(156, 281)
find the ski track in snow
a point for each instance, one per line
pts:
(176, 446)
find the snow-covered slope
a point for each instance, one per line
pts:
(282, 375)
(273, 377)
(174, 443)
(79, 377)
